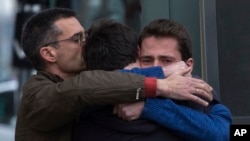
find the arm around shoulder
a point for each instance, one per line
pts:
(46, 97)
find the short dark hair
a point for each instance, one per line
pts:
(39, 30)
(168, 28)
(110, 45)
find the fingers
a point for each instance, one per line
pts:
(202, 84)
(196, 95)
(202, 93)
(185, 88)
(184, 71)
(198, 100)
(170, 69)
(202, 89)
(121, 112)
(129, 111)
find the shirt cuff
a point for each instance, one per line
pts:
(150, 86)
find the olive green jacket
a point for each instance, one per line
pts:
(50, 105)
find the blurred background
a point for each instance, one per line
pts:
(220, 31)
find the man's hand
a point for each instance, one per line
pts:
(178, 66)
(129, 111)
(179, 87)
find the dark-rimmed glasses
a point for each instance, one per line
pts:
(78, 38)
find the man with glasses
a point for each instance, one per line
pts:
(77, 38)
(53, 99)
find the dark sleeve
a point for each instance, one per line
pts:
(49, 105)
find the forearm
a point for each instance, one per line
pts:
(191, 124)
(60, 103)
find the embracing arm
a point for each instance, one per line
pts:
(191, 124)
(49, 102)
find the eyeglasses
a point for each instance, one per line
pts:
(78, 38)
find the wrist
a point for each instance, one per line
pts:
(162, 89)
(150, 86)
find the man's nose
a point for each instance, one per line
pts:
(157, 63)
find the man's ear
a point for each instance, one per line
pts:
(190, 63)
(48, 54)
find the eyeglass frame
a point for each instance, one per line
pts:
(79, 38)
